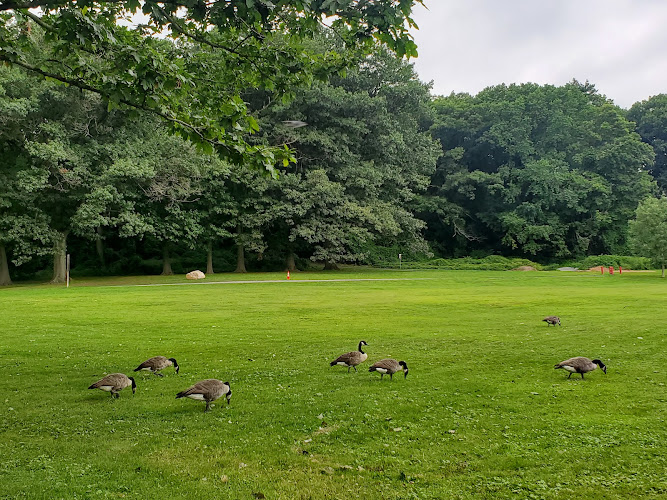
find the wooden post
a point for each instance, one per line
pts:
(67, 270)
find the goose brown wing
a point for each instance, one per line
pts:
(114, 379)
(579, 362)
(154, 363)
(205, 387)
(387, 364)
(346, 358)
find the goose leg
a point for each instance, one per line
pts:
(208, 406)
(391, 376)
(582, 376)
(348, 369)
(355, 368)
(158, 374)
(569, 375)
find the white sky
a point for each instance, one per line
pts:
(618, 45)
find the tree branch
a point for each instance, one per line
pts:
(85, 86)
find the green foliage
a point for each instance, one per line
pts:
(361, 160)
(482, 414)
(624, 261)
(490, 263)
(651, 119)
(649, 230)
(214, 52)
(545, 171)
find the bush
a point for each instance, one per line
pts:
(489, 263)
(625, 261)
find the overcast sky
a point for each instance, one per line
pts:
(618, 45)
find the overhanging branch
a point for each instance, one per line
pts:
(84, 86)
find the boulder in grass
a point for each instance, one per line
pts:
(524, 268)
(195, 275)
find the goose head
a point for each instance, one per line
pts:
(134, 385)
(363, 342)
(229, 392)
(176, 367)
(405, 368)
(601, 365)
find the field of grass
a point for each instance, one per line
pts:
(482, 414)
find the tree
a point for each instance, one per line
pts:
(220, 49)
(24, 228)
(648, 231)
(364, 155)
(151, 188)
(52, 147)
(651, 119)
(535, 170)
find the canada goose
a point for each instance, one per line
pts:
(351, 359)
(552, 320)
(156, 364)
(207, 390)
(580, 365)
(114, 383)
(389, 366)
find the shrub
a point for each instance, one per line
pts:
(625, 261)
(489, 263)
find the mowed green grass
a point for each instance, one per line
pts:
(482, 414)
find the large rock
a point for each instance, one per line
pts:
(195, 275)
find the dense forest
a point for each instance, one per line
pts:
(380, 167)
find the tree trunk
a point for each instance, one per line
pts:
(99, 247)
(331, 266)
(663, 269)
(60, 258)
(240, 259)
(209, 258)
(4, 268)
(291, 264)
(166, 261)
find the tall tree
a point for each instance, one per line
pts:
(651, 119)
(538, 170)
(367, 143)
(649, 230)
(56, 152)
(24, 228)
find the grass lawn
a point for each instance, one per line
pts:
(482, 414)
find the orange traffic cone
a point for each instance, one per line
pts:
(288, 275)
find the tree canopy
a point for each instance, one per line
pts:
(651, 119)
(535, 170)
(648, 230)
(218, 50)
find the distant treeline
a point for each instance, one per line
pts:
(382, 167)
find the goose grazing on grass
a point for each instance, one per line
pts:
(389, 366)
(580, 365)
(114, 383)
(552, 320)
(156, 364)
(351, 359)
(207, 390)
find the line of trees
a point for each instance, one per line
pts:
(382, 167)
